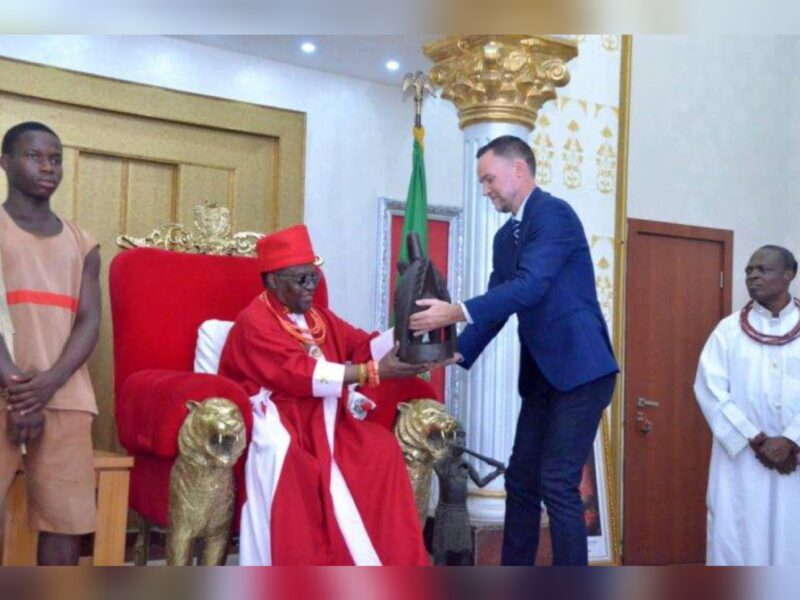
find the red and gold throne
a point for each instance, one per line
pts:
(163, 287)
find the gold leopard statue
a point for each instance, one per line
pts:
(201, 489)
(423, 429)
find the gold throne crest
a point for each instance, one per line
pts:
(212, 235)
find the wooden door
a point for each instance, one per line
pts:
(677, 290)
(137, 158)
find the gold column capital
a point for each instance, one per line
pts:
(504, 78)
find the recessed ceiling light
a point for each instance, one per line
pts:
(308, 47)
(392, 65)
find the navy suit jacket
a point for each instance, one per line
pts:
(548, 281)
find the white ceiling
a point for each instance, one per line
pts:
(360, 56)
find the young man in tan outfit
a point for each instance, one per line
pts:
(50, 269)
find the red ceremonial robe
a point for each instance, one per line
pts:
(372, 518)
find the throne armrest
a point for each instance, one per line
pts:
(151, 407)
(391, 392)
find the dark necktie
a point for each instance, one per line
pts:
(516, 225)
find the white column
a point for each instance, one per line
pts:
(489, 80)
(491, 402)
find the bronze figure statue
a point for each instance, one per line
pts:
(420, 279)
(452, 534)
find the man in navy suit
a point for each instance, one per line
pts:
(543, 272)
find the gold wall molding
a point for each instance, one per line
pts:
(118, 96)
(504, 78)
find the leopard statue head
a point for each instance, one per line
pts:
(212, 434)
(425, 431)
(424, 428)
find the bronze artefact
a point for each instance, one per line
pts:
(452, 534)
(420, 279)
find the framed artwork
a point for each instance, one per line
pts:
(599, 511)
(445, 247)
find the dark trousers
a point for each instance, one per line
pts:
(554, 437)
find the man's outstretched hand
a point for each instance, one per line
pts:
(437, 315)
(391, 367)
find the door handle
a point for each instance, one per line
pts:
(645, 403)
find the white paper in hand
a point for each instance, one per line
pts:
(381, 345)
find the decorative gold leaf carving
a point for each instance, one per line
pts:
(213, 236)
(573, 157)
(606, 161)
(543, 151)
(500, 78)
(611, 42)
(603, 256)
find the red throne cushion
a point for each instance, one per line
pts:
(158, 301)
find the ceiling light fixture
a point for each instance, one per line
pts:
(308, 47)
(392, 65)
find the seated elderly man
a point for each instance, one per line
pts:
(323, 488)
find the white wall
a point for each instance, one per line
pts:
(358, 144)
(712, 137)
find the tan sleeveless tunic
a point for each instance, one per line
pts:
(42, 277)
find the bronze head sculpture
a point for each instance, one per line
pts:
(420, 279)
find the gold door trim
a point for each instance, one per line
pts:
(615, 457)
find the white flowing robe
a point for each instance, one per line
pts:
(743, 388)
(265, 459)
(322, 487)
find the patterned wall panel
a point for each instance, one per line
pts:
(576, 141)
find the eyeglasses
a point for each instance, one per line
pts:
(306, 280)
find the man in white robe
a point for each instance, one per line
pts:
(748, 387)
